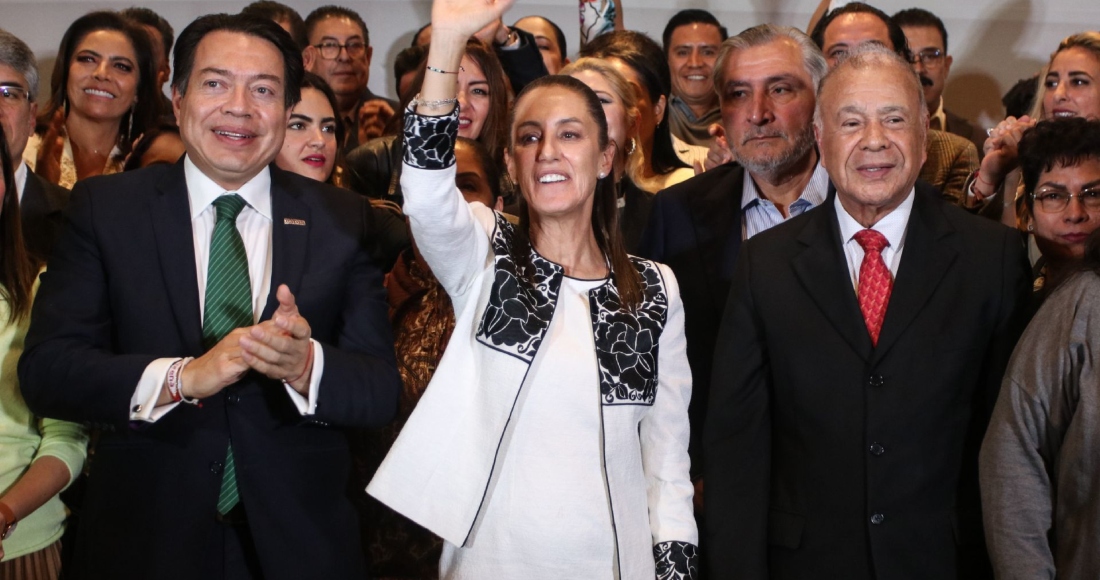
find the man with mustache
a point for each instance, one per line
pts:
(927, 37)
(765, 78)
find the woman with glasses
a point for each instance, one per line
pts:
(1060, 163)
(104, 96)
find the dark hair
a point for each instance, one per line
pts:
(917, 17)
(262, 28)
(18, 268)
(605, 209)
(276, 12)
(642, 54)
(145, 142)
(336, 12)
(1018, 100)
(147, 17)
(416, 35)
(690, 16)
(1058, 141)
(1091, 259)
(488, 165)
(558, 34)
(145, 111)
(407, 61)
(897, 35)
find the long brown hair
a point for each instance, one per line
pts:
(18, 270)
(605, 208)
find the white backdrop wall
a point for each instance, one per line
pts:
(994, 42)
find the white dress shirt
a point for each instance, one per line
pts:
(759, 213)
(254, 224)
(20, 179)
(893, 226)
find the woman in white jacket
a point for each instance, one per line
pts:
(552, 440)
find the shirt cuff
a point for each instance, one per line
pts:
(308, 405)
(430, 141)
(143, 405)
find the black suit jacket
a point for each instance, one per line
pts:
(830, 458)
(695, 228)
(42, 210)
(121, 291)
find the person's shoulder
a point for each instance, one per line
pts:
(136, 182)
(718, 180)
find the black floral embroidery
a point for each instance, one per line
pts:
(518, 313)
(430, 141)
(627, 342)
(676, 561)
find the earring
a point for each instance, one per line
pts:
(601, 175)
(630, 148)
(130, 127)
(1030, 227)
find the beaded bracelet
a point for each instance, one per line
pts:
(441, 71)
(436, 104)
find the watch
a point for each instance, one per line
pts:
(9, 517)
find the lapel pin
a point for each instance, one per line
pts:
(293, 222)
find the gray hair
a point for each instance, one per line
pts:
(873, 54)
(812, 59)
(16, 54)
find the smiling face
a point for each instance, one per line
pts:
(848, 31)
(768, 106)
(309, 147)
(1073, 85)
(103, 76)
(692, 51)
(547, 40)
(473, 99)
(1061, 235)
(346, 75)
(555, 156)
(872, 137)
(620, 121)
(233, 115)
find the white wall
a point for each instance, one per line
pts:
(994, 42)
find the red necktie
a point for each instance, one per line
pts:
(875, 282)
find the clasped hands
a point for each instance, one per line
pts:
(278, 348)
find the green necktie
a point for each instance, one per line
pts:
(228, 306)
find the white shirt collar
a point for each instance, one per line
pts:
(202, 191)
(21, 179)
(817, 189)
(939, 114)
(892, 225)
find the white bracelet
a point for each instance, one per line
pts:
(436, 104)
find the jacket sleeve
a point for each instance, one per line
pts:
(450, 234)
(737, 437)
(664, 436)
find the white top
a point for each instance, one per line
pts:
(21, 179)
(893, 226)
(554, 437)
(254, 223)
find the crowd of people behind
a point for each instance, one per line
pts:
(708, 306)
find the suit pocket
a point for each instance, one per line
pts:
(785, 529)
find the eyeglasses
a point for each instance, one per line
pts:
(930, 57)
(331, 50)
(1054, 201)
(11, 96)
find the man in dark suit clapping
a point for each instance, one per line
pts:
(222, 319)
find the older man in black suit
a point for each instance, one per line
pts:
(765, 77)
(41, 203)
(860, 354)
(241, 289)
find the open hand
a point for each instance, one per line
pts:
(467, 17)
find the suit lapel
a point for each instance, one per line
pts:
(290, 224)
(924, 261)
(716, 217)
(171, 218)
(823, 271)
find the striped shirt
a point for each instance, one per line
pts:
(759, 214)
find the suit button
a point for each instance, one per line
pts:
(216, 467)
(877, 449)
(875, 381)
(877, 519)
(233, 398)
